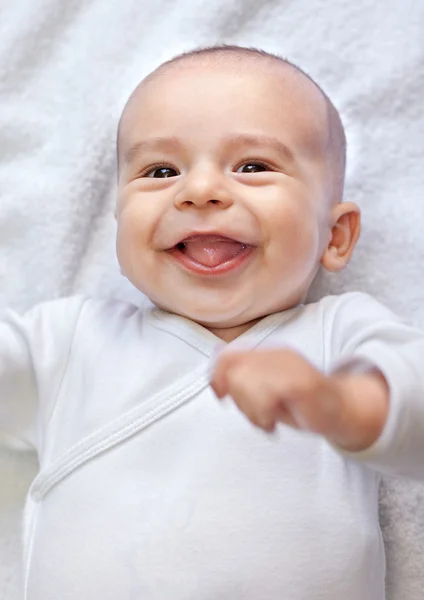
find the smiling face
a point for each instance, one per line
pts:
(224, 207)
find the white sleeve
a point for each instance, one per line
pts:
(361, 328)
(34, 349)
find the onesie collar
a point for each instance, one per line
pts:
(207, 342)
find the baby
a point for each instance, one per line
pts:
(231, 172)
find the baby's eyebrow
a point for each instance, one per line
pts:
(262, 140)
(161, 144)
(173, 144)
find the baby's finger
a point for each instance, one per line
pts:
(286, 418)
(253, 396)
(224, 362)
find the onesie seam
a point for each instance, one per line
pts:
(34, 379)
(251, 338)
(327, 338)
(12, 436)
(117, 431)
(159, 322)
(27, 565)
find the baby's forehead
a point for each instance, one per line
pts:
(192, 69)
(186, 77)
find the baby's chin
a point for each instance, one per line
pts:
(213, 316)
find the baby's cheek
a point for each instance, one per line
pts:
(128, 248)
(296, 256)
(298, 231)
(308, 235)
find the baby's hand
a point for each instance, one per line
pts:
(272, 386)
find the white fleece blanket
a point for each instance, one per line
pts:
(66, 68)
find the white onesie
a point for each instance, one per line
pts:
(151, 489)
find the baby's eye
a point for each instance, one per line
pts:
(161, 172)
(252, 167)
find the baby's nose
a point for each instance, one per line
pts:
(203, 189)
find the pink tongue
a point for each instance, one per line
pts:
(211, 252)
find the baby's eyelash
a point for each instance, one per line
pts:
(154, 167)
(255, 161)
(249, 161)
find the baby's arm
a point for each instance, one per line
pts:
(272, 386)
(33, 354)
(374, 414)
(18, 387)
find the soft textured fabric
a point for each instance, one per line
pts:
(150, 488)
(65, 71)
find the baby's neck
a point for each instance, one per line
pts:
(229, 334)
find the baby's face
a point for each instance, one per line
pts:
(223, 210)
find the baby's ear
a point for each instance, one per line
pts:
(346, 219)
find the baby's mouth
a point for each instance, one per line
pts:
(210, 250)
